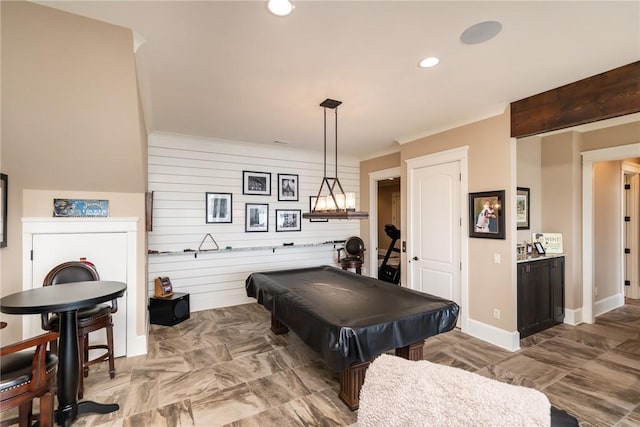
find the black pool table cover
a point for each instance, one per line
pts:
(347, 317)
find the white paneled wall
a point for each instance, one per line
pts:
(182, 169)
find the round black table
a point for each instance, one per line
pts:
(66, 299)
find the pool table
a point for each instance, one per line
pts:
(349, 319)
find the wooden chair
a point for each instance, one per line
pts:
(26, 375)
(354, 254)
(90, 319)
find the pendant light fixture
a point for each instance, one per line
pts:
(332, 202)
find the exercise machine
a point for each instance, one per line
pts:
(386, 272)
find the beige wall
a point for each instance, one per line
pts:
(607, 226)
(70, 123)
(562, 205)
(529, 155)
(489, 168)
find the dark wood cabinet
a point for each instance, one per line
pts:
(540, 294)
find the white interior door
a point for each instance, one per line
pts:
(434, 256)
(108, 251)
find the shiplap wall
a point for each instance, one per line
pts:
(182, 169)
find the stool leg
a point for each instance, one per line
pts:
(112, 367)
(46, 409)
(25, 414)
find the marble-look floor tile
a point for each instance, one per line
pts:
(279, 388)
(207, 357)
(176, 387)
(589, 339)
(177, 414)
(617, 332)
(592, 371)
(522, 370)
(225, 406)
(631, 346)
(587, 407)
(317, 377)
(562, 352)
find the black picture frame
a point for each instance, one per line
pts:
(539, 248)
(256, 183)
(487, 215)
(219, 208)
(4, 199)
(312, 202)
(288, 220)
(523, 208)
(256, 217)
(287, 187)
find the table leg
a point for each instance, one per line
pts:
(277, 327)
(351, 381)
(68, 368)
(411, 352)
(69, 371)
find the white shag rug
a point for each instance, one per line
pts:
(399, 392)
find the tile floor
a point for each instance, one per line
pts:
(223, 367)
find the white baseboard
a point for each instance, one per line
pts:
(573, 317)
(607, 304)
(496, 336)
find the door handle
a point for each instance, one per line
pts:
(415, 258)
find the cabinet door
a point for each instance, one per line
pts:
(542, 277)
(528, 318)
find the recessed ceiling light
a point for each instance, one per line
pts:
(280, 7)
(429, 62)
(481, 32)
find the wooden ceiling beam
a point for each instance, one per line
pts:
(603, 96)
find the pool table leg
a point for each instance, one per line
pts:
(351, 381)
(277, 327)
(352, 377)
(411, 352)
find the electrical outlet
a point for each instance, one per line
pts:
(496, 313)
(496, 258)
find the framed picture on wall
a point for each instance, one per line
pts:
(256, 183)
(487, 215)
(288, 219)
(287, 187)
(256, 217)
(522, 208)
(219, 208)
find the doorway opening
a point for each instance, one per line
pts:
(384, 206)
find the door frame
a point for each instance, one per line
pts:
(460, 155)
(588, 159)
(374, 177)
(633, 210)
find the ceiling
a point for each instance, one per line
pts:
(232, 70)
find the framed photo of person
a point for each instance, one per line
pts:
(288, 219)
(256, 217)
(257, 183)
(219, 208)
(522, 208)
(487, 215)
(539, 248)
(287, 187)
